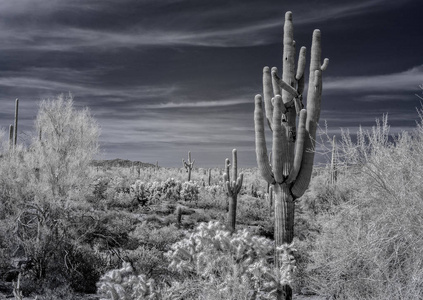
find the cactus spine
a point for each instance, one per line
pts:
(15, 136)
(232, 188)
(188, 165)
(290, 169)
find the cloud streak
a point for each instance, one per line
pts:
(396, 82)
(212, 28)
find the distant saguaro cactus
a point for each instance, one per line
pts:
(292, 155)
(209, 177)
(232, 188)
(11, 137)
(15, 136)
(188, 165)
(178, 213)
(333, 163)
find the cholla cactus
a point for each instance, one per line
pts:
(124, 284)
(139, 191)
(223, 258)
(190, 191)
(232, 188)
(188, 165)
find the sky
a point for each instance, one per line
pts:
(164, 77)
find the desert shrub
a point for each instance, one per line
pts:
(213, 196)
(370, 246)
(251, 209)
(149, 261)
(159, 238)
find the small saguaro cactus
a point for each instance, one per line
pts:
(178, 213)
(232, 188)
(209, 177)
(292, 157)
(188, 165)
(10, 137)
(333, 163)
(15, 136)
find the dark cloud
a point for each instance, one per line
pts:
(165, 77)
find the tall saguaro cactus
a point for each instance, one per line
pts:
(292, 161)
(188, 165)
(232, 188)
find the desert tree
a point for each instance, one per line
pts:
(68, 143)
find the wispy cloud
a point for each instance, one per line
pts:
(86, 89)
(213, 103)
(396, 82)
(211, 28)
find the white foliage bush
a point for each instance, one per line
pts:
(370, 243)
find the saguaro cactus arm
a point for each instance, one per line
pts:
(261, 148)
(299, 148)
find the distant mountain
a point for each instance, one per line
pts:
(121, 163)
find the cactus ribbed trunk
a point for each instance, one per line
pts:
(284, 214)
(232, 212)
(290, 169)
